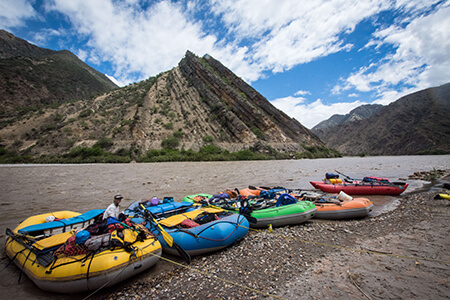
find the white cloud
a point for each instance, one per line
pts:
(421, 58)
(289, 33)
(115, 80)
(313, 113)
(263, 36)
(283, 33)
(144, 42)
(14, 13)
(81, 54)
(302, 93)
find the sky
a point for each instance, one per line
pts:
(310, 59)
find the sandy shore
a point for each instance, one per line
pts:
(403, 254)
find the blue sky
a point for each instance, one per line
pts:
(311, 59)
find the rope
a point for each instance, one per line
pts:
(14, 257)
(118, 274)
(286, 237)
(106, 283)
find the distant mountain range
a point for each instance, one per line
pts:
(54, 105)
(360, 113)
(414, 124)
(31, 76)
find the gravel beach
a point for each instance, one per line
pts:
(402, 254)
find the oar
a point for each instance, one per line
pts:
(345, 175)
(166, 236)
(169, 240)
(256, 188)
(279, 187)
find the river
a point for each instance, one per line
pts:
(32, 189)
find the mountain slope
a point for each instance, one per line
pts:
(416, 123)
(31, 76)
(197, 103)
(360, 113)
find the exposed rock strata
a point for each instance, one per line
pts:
(200, 101)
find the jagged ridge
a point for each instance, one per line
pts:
(200, 102)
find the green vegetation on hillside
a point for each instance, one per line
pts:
(98, 153)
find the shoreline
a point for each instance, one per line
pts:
(398, 254)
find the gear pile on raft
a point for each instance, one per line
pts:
(70, 252)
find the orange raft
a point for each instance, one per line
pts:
(335, 209)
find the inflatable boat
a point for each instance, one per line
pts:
(367, 186)
(264, 213)
(339, 207)
(264, 207)
(195, 229)
(51, 249)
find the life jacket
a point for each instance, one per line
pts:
(199, 199)
(128, 222)
(123, 238)
(231, 193)
(250, 192)
(112, 227)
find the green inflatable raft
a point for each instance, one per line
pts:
(260, 212)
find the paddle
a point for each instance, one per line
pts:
(345, 175)
(169, 240)
(251, 187)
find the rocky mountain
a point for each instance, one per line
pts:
(200, 102)
(31, 76)
(360, 113)
(414, 124)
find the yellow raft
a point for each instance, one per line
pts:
(80, 273)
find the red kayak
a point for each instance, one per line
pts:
(362, 187)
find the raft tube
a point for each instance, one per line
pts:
(360, 188)
(80, 273)
(353, 209)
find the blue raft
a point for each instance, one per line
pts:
(197, 230)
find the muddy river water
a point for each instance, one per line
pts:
(32, 189)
